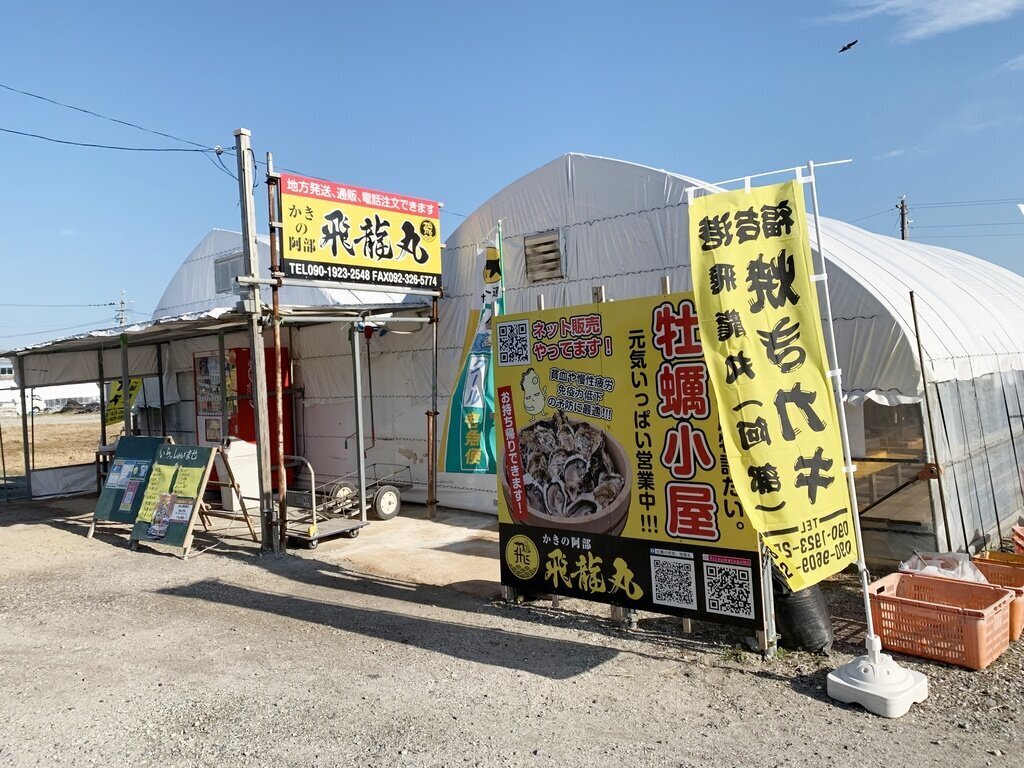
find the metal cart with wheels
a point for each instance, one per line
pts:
(328, 509)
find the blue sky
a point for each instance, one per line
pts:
(451, 101)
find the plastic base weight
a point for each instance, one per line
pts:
(878, 683)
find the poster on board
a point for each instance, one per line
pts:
(613, 484)
(173, 494)
(127, 477)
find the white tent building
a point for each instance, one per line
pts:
(580, 222)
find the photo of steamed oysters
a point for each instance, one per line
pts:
(568, 469)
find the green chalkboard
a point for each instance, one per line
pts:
(173, 494)
(129, 473)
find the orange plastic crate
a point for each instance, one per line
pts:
(1011, 577)
(1000, 557)
(943, 619)
(1018, 539)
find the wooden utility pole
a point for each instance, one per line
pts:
(904, 221)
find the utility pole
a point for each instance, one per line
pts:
(121, 315)
(268, 518)
(904, 221)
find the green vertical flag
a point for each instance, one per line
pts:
(469, 443)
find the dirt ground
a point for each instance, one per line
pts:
(57, 440)
(391, 649)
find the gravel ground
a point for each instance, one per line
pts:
(114, 658)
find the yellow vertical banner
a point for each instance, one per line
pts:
(116, 399)
(760, 325)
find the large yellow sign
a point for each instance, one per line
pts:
(761, 328)
(613, 482)
(345, 234)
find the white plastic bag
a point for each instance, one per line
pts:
(948, 565)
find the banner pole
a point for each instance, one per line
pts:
(836, 375)
(874, 681)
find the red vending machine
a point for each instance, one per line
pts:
(224, 398)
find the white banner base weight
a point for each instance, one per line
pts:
(878, 683)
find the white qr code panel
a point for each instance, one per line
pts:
(673, 583)
(514, 343)
(729, 590)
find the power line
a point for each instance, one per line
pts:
(50, 306)
(870, 216)
(965, 203)
(985, 234)
(992, 224)
(104, 146)
(51, 330)
(101, 117)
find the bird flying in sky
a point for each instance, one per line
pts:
(848, 46)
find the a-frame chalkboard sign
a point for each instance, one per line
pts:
(122, 492)
(177, 482)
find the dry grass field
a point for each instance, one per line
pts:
(57, 440)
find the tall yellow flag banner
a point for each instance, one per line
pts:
(760, 325)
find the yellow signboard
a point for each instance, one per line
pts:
(761, 328)
(115, 400)
(613, 483)
(346, 234)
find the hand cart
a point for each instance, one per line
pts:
(328, 509)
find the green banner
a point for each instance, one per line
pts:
(469, 442)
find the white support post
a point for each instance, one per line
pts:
(874, 680)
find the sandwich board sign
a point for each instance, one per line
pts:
(177, 482)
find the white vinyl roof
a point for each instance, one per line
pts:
(193, 287)
(624, 226)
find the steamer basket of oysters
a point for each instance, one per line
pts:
(577, 476)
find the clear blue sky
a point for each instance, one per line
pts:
(451, 101)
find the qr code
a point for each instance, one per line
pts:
(514, 343)
(728, 590)
(673, 583)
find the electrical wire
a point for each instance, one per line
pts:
(985, 234)
(870, 216)
(965, 203)
(50, 306)
(103, 146)
(91, 325)
(221, 167)
(101, 117)
(991, 224)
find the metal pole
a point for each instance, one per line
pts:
(268, 520)
(160, 386)
(274, 214)
(3, 459)
(873, 644)
(103, 398)
(24, 429)
(145, 409)
(432, 419)
(357, 385)
(125, 384)
(222, 365)
(928, 415)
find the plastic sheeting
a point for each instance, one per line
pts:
(63, 481)
(193, 287)
(625, 226)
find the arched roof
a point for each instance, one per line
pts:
(193, 287)
(624, 226)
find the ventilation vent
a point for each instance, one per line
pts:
(543, 256)
(224, 273)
